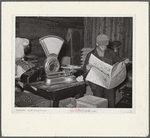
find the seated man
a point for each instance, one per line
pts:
(108, 56)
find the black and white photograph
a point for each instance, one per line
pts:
(73, 62)
(75, 69)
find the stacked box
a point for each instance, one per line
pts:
(90, 101)
(84, 53)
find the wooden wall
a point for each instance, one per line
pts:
(117, 28)
(34, 28)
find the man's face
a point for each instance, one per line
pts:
(102, 48)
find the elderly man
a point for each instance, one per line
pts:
(108, 56)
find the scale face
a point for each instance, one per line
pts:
(51, 44)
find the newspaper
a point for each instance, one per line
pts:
(106, 75)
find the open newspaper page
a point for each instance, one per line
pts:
(118, 74)
(106, 75)
(100, 73)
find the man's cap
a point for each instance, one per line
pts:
(102, 40)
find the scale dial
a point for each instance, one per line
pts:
(51, 64)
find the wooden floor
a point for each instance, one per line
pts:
(28, 99)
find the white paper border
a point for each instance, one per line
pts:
(107, 124)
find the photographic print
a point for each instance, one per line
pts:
(75, 69)
(51, 58)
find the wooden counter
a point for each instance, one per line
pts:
(57, 92)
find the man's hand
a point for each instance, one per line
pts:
(88, 67)
(127, 61)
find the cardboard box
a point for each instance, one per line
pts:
(89, 101)
(70, 106)
(68, 102)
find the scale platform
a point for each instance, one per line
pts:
(59, 79)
